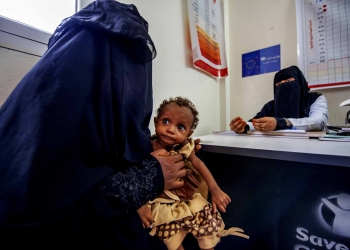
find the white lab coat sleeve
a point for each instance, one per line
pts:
(317, 120)
(251, 127)
(318, 116)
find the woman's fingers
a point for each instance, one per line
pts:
(197, 146)
(237, 125)
(265, 124)
(146, 224)
(259, 126)
(177, 184)
(181, 173)
(172, 169)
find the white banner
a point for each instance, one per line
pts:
(324, 42)
(207, 36)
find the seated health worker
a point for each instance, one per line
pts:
(293, 107)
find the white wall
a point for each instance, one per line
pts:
(173, 72)
(256, 25)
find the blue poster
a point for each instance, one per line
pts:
(261, 61)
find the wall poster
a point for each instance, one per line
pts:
(207, 37)
(324, 42)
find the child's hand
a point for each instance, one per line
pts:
(145, 214)
(219, 200)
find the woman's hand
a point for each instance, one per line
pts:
(265, 124)
(145, 214)
(238, 125)
(219, 199)
(172, 167)
(197, 146)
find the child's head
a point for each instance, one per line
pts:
(176, 119)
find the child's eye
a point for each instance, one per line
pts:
(165, 121)
(181, 127)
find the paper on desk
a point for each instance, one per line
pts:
(228, 132)
(297, 135)
(310, 134)
(299, 131)
(281, 131)
(334, 138)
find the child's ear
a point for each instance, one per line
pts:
(190, 133)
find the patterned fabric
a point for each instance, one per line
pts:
(131, 190)
(203, 223)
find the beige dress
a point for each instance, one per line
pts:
(174, 217)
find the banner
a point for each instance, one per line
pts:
(284, 205)
(324, 42)
(207, 37)
(261, 61)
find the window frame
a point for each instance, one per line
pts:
(20, 37)
(23, 38)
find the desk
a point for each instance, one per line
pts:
(286, 193)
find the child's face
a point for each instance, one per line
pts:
(173, 125)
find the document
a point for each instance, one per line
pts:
(298, 131)
(228, 132)
(286, 133)
(290, 133)
(334, 138)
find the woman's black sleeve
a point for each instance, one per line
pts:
(122, 192)
(281, 123)
(267, 110)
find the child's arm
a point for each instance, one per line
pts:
(145, 214)
(219, 198)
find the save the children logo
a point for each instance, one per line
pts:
(334, 213)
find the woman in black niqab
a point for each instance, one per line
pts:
(292, 98)
(75, 146)
(293, 106)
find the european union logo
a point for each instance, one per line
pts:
(251, 63)
(261, 61)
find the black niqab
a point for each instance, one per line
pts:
(292, 98)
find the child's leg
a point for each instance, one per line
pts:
(180, 247)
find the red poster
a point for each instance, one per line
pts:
(207, 37)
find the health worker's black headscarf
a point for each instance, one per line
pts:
(80, 112)
(292, 98)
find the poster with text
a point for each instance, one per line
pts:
(207, 37)
(324, 42)
(261, 61)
